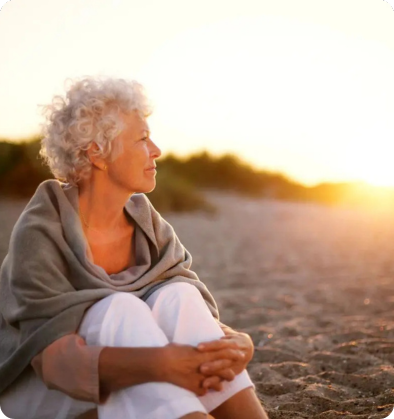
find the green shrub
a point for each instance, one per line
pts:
(179, 181)
(20, 169)
(174, 193)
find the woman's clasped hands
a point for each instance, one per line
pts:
(210, 363)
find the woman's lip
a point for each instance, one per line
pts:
(152, 169)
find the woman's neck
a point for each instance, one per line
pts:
(101, 207)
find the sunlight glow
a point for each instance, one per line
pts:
(305, 88)
(375, 198)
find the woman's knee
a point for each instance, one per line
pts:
(123, 304)
(126, 308)
(181, 291)
(118, 304)
(120, 314)
(180, 305)
(176, 297)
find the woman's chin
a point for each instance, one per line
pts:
(148, 188)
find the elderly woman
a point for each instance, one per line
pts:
(100, 312)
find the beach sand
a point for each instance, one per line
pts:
(314, 288)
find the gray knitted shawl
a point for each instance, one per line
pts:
(47, 282)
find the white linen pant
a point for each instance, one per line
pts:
(173, 313)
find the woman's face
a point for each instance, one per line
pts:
(130, 169)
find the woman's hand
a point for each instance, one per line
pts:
(220, 368)
(181, 366)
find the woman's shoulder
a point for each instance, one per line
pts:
(139, 199)
(45, 192)
(151, 221)
(42, 210)
(140, 203)
(50, 186)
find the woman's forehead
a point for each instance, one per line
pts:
(135, 121)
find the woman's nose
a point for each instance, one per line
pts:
(156, 151)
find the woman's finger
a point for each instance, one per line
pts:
(216, 345)
(234, 354)
(227, 374)
(213, 382)
(224, 358)
(213, 366)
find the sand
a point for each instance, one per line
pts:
(314, 288)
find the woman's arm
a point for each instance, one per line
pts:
(172, 363)
(90, 373)
(70, 366)
(124, 367)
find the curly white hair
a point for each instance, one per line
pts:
(90, 112)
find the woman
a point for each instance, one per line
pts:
(100, 313)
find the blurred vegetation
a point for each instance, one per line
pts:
(180, 181)
(21, 170)
(175, 193)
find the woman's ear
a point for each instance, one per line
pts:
(94, 159)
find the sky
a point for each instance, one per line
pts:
(301, 87)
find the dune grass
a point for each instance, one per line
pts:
(181, 180)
